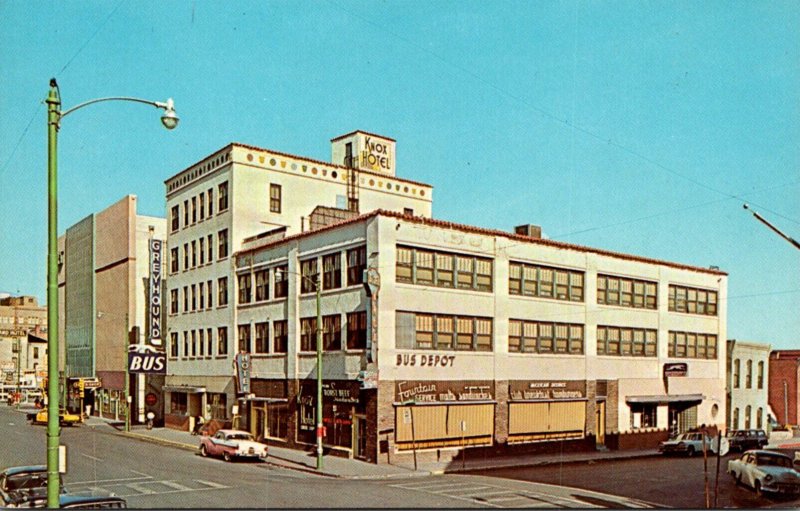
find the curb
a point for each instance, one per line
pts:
(160, 441)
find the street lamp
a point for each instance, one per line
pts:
(317, 286)
(54, 115)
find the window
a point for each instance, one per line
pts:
(244, 338)
(209, 340)
(175, 218)
(186, 212)
(759, 418)
(201, 342)
(637, 294)
(173, 344)
(262, 337)
(202, 205)
(545, 282)
(357, 330)
(281, 281)
(692, 300)
(761, 375)
(185, 344)
(223, 196)
(626, 342)
(356, 264)
(332, 271)
(185, 256)
(747, 411)
(682, 344)
(308, 334)
(748, 379)
(643, 415)
(222, 340)
(222, 243)
(194, 297)
(442, 269)
(262, 285)
(202, 250)
(210, 195)
(332, 332)
(194, 343)
(245, 283)
(280, 336)
(736, 371)
(222, 287)
(173, 301)
(210, 292)
(194, 253)
(185, 298)
(735, 420)
(309, 274)
(210, 248)
(177, 403)
(194, 210)
(173, 260)
(443, 332)
(274, 198)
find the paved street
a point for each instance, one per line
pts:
(666, 481)
(155, 476)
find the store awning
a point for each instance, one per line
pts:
(188, 389)
(665, 399)
(264, 399)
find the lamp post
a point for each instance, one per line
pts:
(54, 115)
(317, 286)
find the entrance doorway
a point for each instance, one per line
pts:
(600, 423)
(360, 437)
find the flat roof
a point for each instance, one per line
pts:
(488, 232)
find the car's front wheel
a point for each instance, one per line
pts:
(690, 451)
(227, 456)
(203, 451)
(757, 487)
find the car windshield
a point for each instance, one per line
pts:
(774, 461)
(22, 481)
(240, 436)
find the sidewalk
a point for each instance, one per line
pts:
(334, 466)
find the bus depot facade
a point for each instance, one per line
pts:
(436, 336)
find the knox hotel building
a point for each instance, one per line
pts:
(436, 336)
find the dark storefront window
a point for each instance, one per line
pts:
(177, 404)
(219, 407)
(278, 420)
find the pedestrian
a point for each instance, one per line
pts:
(198, 425)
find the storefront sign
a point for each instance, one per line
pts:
(91, 384)
(376, 154)
(242, 364)
(155, 292)
(546, 390)
(372, 284)
(443, 391)
(675, 369)
(425, 360)
(368, 379)
(7, 332)
(143, 359)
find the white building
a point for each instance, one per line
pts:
(476, 337)
(748, 382)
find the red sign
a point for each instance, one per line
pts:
(150, 399)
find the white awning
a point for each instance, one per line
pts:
(188, 389)
(665, 398)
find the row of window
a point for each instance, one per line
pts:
(197, 208)
(199, 296)
(356, 259)
(692, 345)
(747, 418)
(450, 332)
(198, 252)
(748, 375)
(273, 337)
(260, 290)
(443, 269)
(692, 300)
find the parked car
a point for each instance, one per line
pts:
(65, 418)
(24, 486)
(232, 443)
(688, 444)
(745, 439)
(91, 502)
(766, 472)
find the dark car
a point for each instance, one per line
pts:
(91, 502)
(24, 486)
(745, 439)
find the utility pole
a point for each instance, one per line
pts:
(773, 228)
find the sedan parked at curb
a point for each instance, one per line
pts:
(766, 472)
(232, 443)
(688, 444)
(746, 439)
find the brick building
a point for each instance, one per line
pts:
(784, 382)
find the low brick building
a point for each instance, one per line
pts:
(784, 382)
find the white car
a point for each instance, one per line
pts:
(232, 443)
(688, 444)
(766, 472)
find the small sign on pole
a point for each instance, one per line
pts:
(62, 459)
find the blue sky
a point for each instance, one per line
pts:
(638, 127)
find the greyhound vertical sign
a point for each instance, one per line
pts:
(155, 293)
